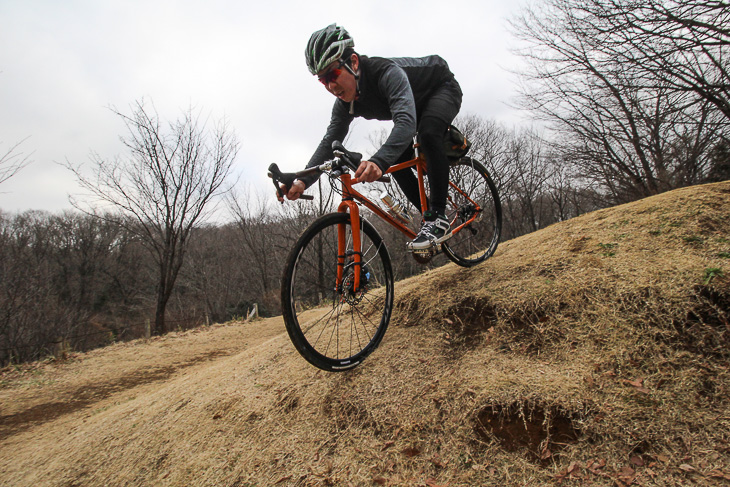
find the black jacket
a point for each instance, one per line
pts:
(390, 89)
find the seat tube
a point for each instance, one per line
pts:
(421, 187)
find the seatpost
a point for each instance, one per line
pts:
(415, 145)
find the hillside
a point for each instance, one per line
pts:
(593, 352)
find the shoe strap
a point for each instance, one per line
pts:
(438, 223)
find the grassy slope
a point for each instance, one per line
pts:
(594, 351)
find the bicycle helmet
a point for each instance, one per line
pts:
(327, 46)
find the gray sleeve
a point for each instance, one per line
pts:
(394, 83)
(337, 130)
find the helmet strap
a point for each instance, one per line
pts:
(347, 66)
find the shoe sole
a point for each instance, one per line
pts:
(411, 246)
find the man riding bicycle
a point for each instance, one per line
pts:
(417, 94)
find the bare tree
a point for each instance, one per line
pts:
(257, 233)
(681, 44)
(631, 137)
(11, 162)
(165, 186)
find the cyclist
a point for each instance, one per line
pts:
(417, 94)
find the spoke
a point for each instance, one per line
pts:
(334, 329)
(323, 327)
(375, 307)
(365, 321)
(353, 327)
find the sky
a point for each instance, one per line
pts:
(65, 65)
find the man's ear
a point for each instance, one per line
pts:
(355, 62)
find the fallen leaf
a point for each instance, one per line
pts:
(574, 468)
(387, 445)
(572, 471)
(433, 483)
(594, 467)
(438, 463)
(638, 384)
(627, 475)
(411, 452)
(637, 460)
(687, 468)
(284, 479)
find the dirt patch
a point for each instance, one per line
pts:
(348, 412)
(466, 322)
(92, 393)
(705, 327)
(539, 432)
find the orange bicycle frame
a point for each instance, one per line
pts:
(349, 198)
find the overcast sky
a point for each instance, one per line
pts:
(64, 63)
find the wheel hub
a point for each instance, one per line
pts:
(349, 294)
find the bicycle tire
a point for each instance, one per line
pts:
(471, 190)
(351, 323)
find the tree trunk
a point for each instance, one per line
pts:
(160, 325)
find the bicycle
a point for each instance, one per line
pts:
(341, 266)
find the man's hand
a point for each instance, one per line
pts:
(296, 190)
(368, 171)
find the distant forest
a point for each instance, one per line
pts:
(631, 100)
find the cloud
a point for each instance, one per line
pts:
(64, 63)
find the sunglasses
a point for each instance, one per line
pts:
(331, 75)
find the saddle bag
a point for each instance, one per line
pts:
(455, 144)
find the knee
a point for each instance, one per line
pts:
(431, 131)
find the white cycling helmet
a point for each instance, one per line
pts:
(327, 46)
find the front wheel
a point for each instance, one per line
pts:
(473, 204)
(334, 323)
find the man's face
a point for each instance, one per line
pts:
(339, 81)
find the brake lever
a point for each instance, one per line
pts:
(287, 179)
(352, 159)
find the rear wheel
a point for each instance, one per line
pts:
(474, 203)
(335, 325)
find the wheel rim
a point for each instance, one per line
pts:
(472, 203)
(349, 322)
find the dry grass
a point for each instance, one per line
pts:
(594, 352)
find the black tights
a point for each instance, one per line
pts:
(439, 110)
(431, 131)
